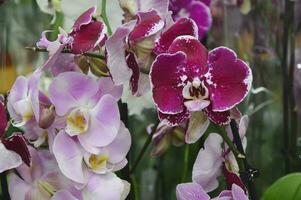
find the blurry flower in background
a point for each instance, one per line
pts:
(198, 10)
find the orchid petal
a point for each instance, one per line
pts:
(84, 19)
(8, 159)
(206, 173)
(17, 187)
(71, 89)
(197, 126)
(161, 6)
(3, 119)
(220, 118)
(229, 78)
(191, 191)
(174, 119)
(69, 157)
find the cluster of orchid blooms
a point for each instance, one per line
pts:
(73, 140)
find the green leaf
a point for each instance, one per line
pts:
(287, 187)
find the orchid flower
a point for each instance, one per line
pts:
(193, 191)
(218, 160)
(85, 35)
(79, 165)
(90, 111)
(39, 181)
(198, 10)
(186, 78)
(130, 47)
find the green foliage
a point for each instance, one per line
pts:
(287, 187)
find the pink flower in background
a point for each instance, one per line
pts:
(187, 78)
(193, 191)
(198, 10)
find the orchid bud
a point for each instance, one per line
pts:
(47, 117)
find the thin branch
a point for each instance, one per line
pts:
(105, 17)
(92, 55)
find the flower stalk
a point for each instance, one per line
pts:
(105, 17)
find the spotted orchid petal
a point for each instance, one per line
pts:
(175, 119)
(107, 186)
(221, 118)
(183, 26)
(69, 156)
(191, 191)
(165, 76)
(148, 23)
(196, 54)
(229, 78)
(131, 60)
(197, 126)
(84, 19)
(71, 89)
(206, 173)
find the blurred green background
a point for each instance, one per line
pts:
(255, 36)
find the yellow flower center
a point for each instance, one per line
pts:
(77, 122)
(98, 161)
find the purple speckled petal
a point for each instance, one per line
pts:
(165, 77)
(175, 119)
(196, 53)
(71, 89)
(84, 18)
(183, 26)
(220, 118)
(201, 14)
(229, 79)
(87, 38)
(3, 119)
(70, 157)
(116, 61)
(206, 173)
(191, 191)
(105, 122)
(148, 23)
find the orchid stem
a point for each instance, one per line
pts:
(4, 186)
(105, 17)
(143, 150)
(93, 55)
(186, 159)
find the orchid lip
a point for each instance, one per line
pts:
(97, 162)
(78, 121)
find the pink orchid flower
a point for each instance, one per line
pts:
(89, 108)
(185, 78)
(39, 181)
(193, 191)
(79, 165)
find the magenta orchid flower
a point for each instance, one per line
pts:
(198, 10)
(186, 78)
(130, 47)
(78, 164)
(86, 35)
(193, 191)
(39, 181)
